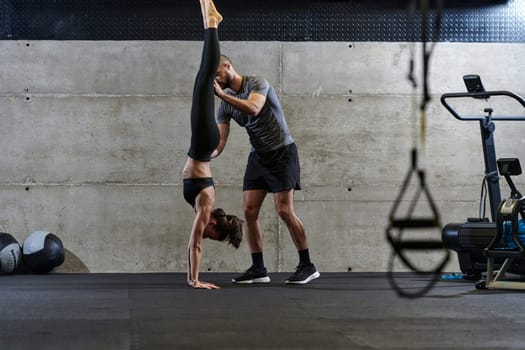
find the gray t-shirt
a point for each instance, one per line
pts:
(268, 131)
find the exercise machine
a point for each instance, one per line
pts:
(471, 238)
(510, 233)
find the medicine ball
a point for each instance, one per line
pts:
(42, 252)
(10, 253)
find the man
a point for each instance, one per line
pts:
(273, 164)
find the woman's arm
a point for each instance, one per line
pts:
(203, 205)
(224, 129)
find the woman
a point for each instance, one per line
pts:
(199, 190)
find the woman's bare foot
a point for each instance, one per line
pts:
(212, 12)
(210, 15)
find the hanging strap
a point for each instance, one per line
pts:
(398, 225)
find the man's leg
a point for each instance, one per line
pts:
(305, 271)
(285, 210)
(253, 200)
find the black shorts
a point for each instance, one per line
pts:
(192, 188)
(274, 171)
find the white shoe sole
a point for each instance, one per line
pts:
(310, 278)
(255, 280)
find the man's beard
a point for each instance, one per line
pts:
(227, 83)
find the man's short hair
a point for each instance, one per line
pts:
(226, 59)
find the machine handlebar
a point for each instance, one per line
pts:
(481, 95)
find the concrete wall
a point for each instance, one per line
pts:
(94, 136)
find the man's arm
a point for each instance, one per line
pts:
(251, 106)
(224, 129)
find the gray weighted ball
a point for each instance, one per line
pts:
(42, 252)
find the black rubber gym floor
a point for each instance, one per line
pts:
(337, 311)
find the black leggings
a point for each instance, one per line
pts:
(204, 131)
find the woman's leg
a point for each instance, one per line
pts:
(204, 131)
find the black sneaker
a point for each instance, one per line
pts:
(303, 274)
(253, 276)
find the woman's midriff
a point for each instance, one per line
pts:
(196, 169)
